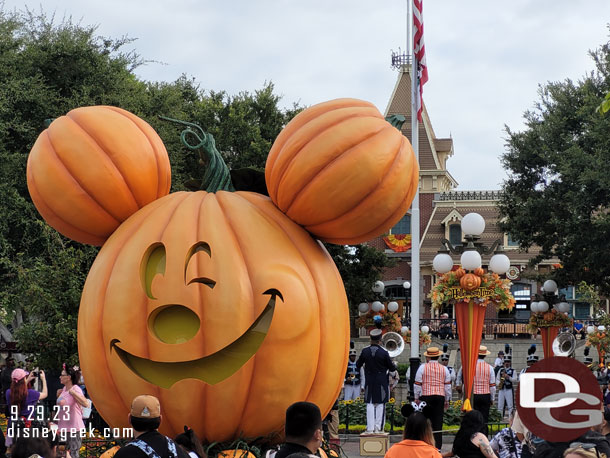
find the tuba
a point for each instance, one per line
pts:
(393, 343)
(564, 344)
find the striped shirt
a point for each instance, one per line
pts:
(484, 378)
(433, 379)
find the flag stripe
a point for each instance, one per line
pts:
(419, 50)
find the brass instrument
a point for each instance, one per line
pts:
(564, 344)
(393, 343)
(502, 378)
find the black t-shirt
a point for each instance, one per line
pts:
(157, 441)
(289, 448)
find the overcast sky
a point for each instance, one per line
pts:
(485, 58)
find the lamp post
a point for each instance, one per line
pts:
(548, 302)
(470, 316)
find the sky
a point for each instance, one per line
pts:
(486, 59)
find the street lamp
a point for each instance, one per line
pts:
(468, 313)
(473, 226)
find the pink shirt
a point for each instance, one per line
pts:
(70, 416)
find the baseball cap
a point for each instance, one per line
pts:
(18, 374)
(145, 406)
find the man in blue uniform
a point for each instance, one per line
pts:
(377, 364)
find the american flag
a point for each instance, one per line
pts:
(419, 50)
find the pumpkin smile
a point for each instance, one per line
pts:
(210, 369)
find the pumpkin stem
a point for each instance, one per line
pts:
(217, 176)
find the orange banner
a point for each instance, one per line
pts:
(470, 319)
(398, 242)
(548, 335)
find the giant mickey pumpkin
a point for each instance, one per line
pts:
(220, 305)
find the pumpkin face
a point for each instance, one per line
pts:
(470, 282)
(342, 172)
(221, 307)
(93, 168)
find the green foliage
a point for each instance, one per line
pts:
(402, 372)
(557, 194)
(360, 267)
(357, 413)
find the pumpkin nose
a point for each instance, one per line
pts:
(173, 324)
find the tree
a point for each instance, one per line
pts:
(360, 266)
(557, 195)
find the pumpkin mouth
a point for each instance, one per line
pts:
(210, 369)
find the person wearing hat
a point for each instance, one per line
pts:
(506, 378)
(484, 385)
(377, 364)
(444, 360)
(531, 359)
(499, 360)
(145, 418)
(433, 386)
(351, 383)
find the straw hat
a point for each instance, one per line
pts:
(483, 351)
(432, 352)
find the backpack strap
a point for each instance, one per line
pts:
(143, 446)
(150, 452)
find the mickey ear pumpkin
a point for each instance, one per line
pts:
(342, 171)
(95, 167)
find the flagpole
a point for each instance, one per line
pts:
(415, 228)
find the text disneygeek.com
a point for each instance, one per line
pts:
(55, 434)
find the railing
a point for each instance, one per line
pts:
(496, 327)
(469, 195)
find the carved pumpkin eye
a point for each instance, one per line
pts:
(153, 263)
(197, 248)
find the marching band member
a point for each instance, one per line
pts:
(506, 377)
(445, 362)
(352, 378)
(433, 386)
(531, 358)
(484, 385)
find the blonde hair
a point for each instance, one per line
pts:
(584, 453)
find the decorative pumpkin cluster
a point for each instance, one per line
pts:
(501, 296)
(390, 321)
(552, 318)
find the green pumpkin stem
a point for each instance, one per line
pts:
(217, 176)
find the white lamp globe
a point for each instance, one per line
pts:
(425, 329)
(543, 306)
(563, 307)
(473, 224)
(550, 286)
(499, 263)
(363, 307)
(407, 285)
(404, 330)
(470, 260)
(377, 306)
(442, 263)
(601, 328)
(590, 329)
(378, 287)
(392, 306)
(534, 306)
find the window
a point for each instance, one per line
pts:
(522, 294)
(510, 241)
(455, 234)
(395, 292)
(567, 292)
(403, 226)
